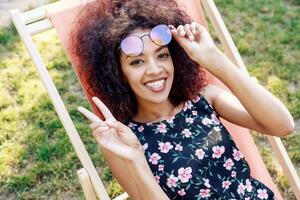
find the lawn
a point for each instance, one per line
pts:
(37, 160)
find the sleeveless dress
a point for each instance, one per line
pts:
(193, 156)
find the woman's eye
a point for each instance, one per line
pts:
(136, 62)
(163, 55)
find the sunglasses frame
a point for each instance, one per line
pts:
(140, 38)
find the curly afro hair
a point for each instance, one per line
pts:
(98, 32)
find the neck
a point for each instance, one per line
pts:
(153, 112)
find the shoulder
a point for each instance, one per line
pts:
(210, 92)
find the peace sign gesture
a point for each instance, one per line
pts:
(111, 134)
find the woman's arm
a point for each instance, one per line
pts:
(141, 173)
(264, 109)
(134, 176)
(264, 112)
(124, 154)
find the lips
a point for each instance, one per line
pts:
(156, 85)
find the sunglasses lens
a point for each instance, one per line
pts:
(161, 35)
(132, 46)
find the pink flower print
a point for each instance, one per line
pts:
(206, 121)
(226, 184)
(204, 193)
(200, 153)
(195, 100)
(145, 146)
(178, 147)
(131, 124)
(262, 194)
(218, 151)
(161, 167)
(214, 119)
(162, 128)
(206, 182)
(187, 133)
(194, 112)
(140, 129)
(233, 174)
(237, 154)
(172, 181)
(189, 120)
(247, 198)
(157, 178)
(181, 192)
(216, 128)
(248, 186)
(154, 158)
(188, 105)
(165, 147)
(241, 189)
(228, 164)
(184, 174)
(170, 120)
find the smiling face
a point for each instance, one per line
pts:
(150, 75)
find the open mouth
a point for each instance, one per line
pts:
(157, 85)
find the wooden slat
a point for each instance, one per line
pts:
(86, 184)
(223, 34)
(34, 15)
(234, 55)
(123, 196)
(286, 164)
(40, 26)
(59, 105)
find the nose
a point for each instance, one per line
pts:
(153, 68)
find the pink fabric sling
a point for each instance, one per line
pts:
(62, 21)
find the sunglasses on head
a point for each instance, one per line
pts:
(133, 45)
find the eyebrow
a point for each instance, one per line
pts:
(157, 50)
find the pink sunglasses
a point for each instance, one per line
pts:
(133, 45)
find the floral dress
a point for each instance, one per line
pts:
(192, 156)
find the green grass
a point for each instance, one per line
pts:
(37, 160)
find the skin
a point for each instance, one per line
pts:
(239, 107)
(154, 63)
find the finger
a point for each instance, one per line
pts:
(125, 133)
(101, 135)
(189, 34)
(197, 29)
(88, 114)
(174, 31)
(180, 30)
(172, 28)
(100, 129)
(102, 107)
(95, 125)
(194, 27)
(118, 126)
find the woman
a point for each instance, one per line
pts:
(161, 135)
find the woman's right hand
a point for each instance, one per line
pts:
(111, 134)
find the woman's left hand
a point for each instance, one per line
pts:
(195, 40)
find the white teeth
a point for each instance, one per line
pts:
(156, 84)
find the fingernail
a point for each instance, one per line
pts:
(171, 27)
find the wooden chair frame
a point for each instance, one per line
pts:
(36, 21)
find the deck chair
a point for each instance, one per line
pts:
(50, 16)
